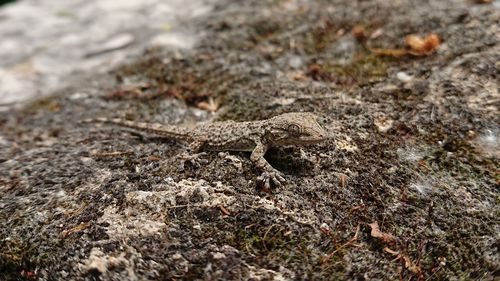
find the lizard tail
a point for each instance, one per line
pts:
(169, 131)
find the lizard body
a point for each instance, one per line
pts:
(254, 136)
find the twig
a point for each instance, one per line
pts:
(348, 243)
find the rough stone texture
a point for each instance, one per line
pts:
(415, 150)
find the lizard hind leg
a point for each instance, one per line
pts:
(196, 146)
(193, 155)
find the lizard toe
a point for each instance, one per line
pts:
(278, 179)
(273, 176)
(265, 180)
(267, 183)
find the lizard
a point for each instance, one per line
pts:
(296, 128)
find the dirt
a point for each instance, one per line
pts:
(414, 148)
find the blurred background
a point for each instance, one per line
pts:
(46, 44)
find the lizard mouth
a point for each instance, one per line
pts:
(318, 137)
(313, 140)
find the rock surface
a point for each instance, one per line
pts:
(407, 188)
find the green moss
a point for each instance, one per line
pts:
(193, 80)
(46, 104)
(275, 244)
(265, 243)
(18, 256)
(264, 29)
(362, 69)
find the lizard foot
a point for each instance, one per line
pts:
(195, 160)
(271, 176)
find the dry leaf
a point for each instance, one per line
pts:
(422, 46)
(390, 239)
(223, 210)
(212, 105)
(299, 76)
(358, 32)
(153, 158)
(416, 46)
(343, 180)
(75, 229)
(386, 237)
(408, 263)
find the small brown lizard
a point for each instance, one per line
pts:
(255, 136)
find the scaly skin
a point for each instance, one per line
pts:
(257, 136)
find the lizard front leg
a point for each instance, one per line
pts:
(268, 172)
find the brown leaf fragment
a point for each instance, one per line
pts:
(408, 263)
(392, 252)
(422, 46)
(359, 32)
(422, 165)
(153, 158)
(299, 76)
(385, 237)
(416, 46)
(78, 228)
(223, 210)
(211, 105)
(357, 208)
(343, 180)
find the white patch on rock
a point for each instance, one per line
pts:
(422, 187)
(264, 274)
(295, 62)
(346, 144)
(383, 123)
(130, 223)
(283, 101)
(404, 77)
(116, 42)
(100, 262)
(144, 211)
(218, 256)
(488, 143)
(410, 154)
(173, 40)
(97, 261)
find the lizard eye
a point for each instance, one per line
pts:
(293, 129)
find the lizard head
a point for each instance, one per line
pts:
(296, 129)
